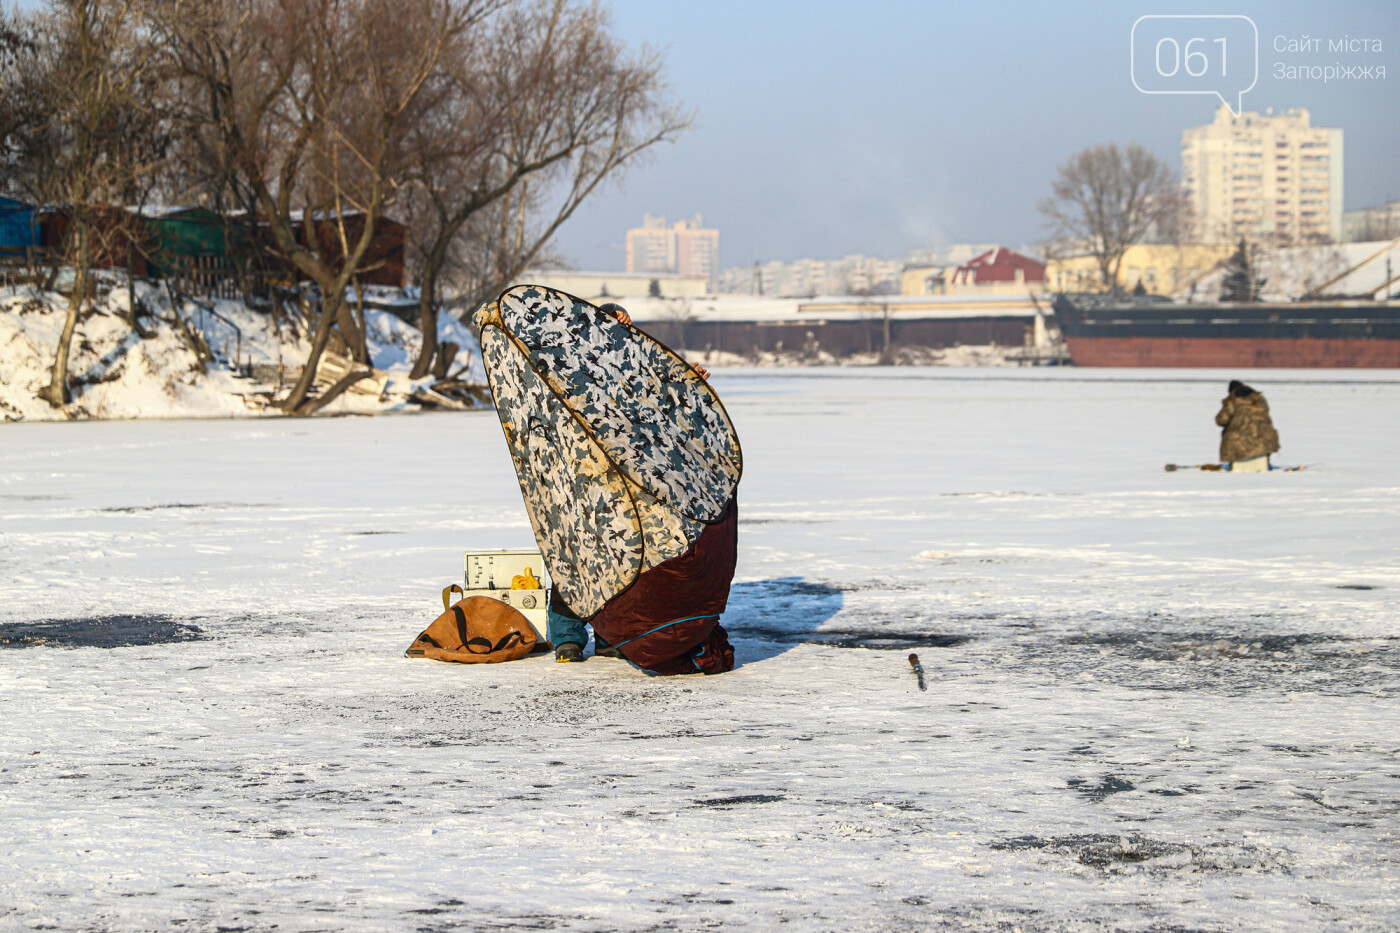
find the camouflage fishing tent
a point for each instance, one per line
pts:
(624, 454)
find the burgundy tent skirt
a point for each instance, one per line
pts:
(668, 620)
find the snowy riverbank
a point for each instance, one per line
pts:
(1156, 701)
(115, 374)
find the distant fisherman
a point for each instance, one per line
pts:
(1248, 436)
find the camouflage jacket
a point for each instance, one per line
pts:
(1248, 430)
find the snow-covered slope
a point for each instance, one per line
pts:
(116, 374)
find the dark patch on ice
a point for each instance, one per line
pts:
(1293, 749)
(1108, 784)
(725, 803)
(1115, 854)
(439, 924)
(856, 638)
(1356, 586)
(359, 533)
(1233, 663)
(184, 505)
(116, 631)
(681, 733)
(1173, 646)
(1001, 918)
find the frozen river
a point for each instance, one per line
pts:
(1156, 701)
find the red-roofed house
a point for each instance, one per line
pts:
(997, 271)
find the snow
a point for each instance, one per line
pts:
(114, 374)
(1156, 701)
(1360, 270)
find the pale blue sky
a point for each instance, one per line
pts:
(827, 127)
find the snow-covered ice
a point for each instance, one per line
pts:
(1157, 701)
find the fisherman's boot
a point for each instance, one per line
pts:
(568, 652)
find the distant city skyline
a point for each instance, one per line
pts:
(851, 128)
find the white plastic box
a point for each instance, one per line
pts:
(489, 573)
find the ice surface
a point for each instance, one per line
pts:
(1157, 701)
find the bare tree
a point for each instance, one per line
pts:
(308, 106)
(1107, 199)
(19, 57)
(537, 111)
(79, 136)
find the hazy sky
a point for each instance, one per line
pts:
(827, 127)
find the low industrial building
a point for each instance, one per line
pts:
(839, 326)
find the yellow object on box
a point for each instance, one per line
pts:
(525, 581)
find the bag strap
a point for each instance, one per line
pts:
(481, 645)
(446, 590)
(461, 624)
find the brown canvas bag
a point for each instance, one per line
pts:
(476, 630)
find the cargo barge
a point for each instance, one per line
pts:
(1311, 334)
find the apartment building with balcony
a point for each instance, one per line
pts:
(1276, 179)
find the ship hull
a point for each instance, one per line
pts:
(1234, 353)
(1322, 335)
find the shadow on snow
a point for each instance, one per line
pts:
(771, 616)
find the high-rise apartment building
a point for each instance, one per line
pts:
(1277, 179)
(685, 248)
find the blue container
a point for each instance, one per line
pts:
(18, 226)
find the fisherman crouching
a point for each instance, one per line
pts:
(667, 621)
(1247, 438)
